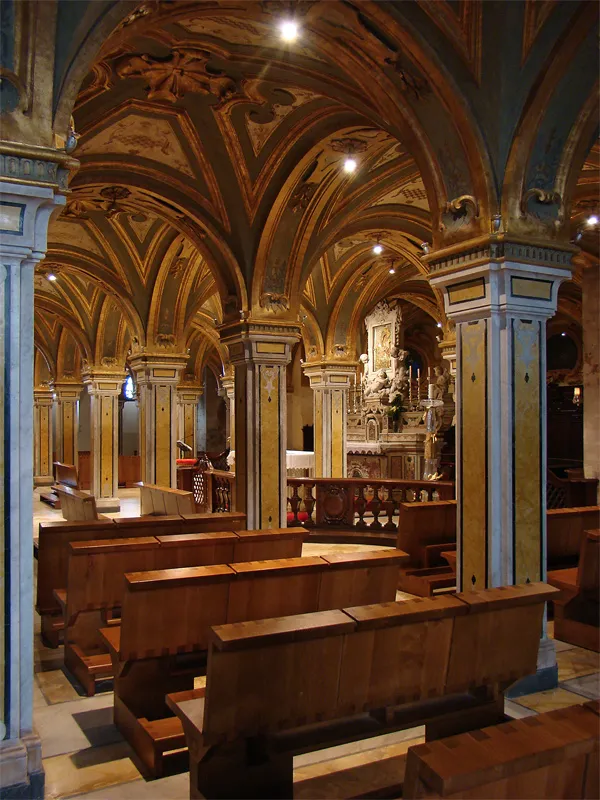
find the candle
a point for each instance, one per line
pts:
(430, 392)
(410, 383)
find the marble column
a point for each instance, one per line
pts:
(330, 384)
(500, 305)
(591, 371)
(67, 420)
(104, 387)
(227, 392)
(157, 377)
(25, 210)
(188, 396)
(259, 354)
(43, 400)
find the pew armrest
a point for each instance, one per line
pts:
(112, 637)
(61, 599)
(189, 708)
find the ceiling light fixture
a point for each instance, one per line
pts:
(350, 165)
(289, 30)
(439, 324)
(51, 276)
(593, 220)
(378, 249)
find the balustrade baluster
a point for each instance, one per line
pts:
(375, 508)
(389, 506)
(294, 502)
(309, 504)
(360, 505)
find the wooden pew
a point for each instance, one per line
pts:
(64, 475)
(95, 583)
(283, 686)
(166, 619)
(76, 505)
(53, 553)
(566, 528)
(424, 531)
(577, 608)
(551, 755)
(162, 500)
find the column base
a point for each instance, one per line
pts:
(21, 771)
(43, 480)
(545, 677)
(105, 504)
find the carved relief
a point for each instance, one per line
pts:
(302, 196)
(275, 303)
(185, 70)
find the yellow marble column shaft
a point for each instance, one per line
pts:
(188, 396)
(104, 387)
(67, 421)
(43, 399)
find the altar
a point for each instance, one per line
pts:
(298, 463)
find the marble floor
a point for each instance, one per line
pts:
(85, 756)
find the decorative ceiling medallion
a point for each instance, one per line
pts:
(348, 146)
(112, 194)
(185, 70)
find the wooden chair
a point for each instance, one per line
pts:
(551, 755)
(284, 686)
(167, 615)
(577, 608)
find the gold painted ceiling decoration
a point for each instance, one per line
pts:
(260, 132)
(412, 194)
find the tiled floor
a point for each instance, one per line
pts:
(85, 756)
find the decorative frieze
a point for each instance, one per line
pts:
(499, 250)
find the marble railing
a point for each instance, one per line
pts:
(359, 503)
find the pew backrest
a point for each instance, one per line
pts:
(565, 531)
(76, 505)
(66, 474)
(588, 574)
(271, 675)
(54, 539)
(162, 500)
(422, 524)
(255, 590)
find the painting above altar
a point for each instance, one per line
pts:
(382, 346)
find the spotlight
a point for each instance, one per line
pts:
(593, 220)
(563, 334)
(392, 271)
(349, 165)
(439, 324)
(51, 276)
(289, 31)
(378, 249)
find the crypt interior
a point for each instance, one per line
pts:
(317, 262)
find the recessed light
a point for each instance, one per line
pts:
(593, 220)
(289, 30)
(349, 165)
(378, 249)
(51, 276)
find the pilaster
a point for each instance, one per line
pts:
(157, 376)
(25, 210)
(330, 384)
(591, 371)
(227, 392)
(188, 396)
(43, 399)
(259, 353)
(104, 387)
(67, 393)
(500, 297)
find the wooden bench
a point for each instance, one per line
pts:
(95, 583)
(279, 687)
(577, 608)
(166, 620)
(53, 552)
(64, 475)
(76, 505)
(552, 755)
(566, 528)
(162, 500)
(425, 530)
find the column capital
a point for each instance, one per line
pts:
(66, 388)
(158, 367)
(189, 391)
(103, 380)
(330, 375)
(500, 285)
(43, 394)
(258, 342)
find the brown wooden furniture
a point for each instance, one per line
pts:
(129, 470)
(566, 527)
(166, 619)
(577, 608)
(64, 475)
(162, 500)
(571, 492)
(76, 505)
(53, 553)
(282, 686)
(425, 530)
(551, 755)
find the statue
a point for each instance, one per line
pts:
(377, 384)
(364, 360)
(440, 385)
